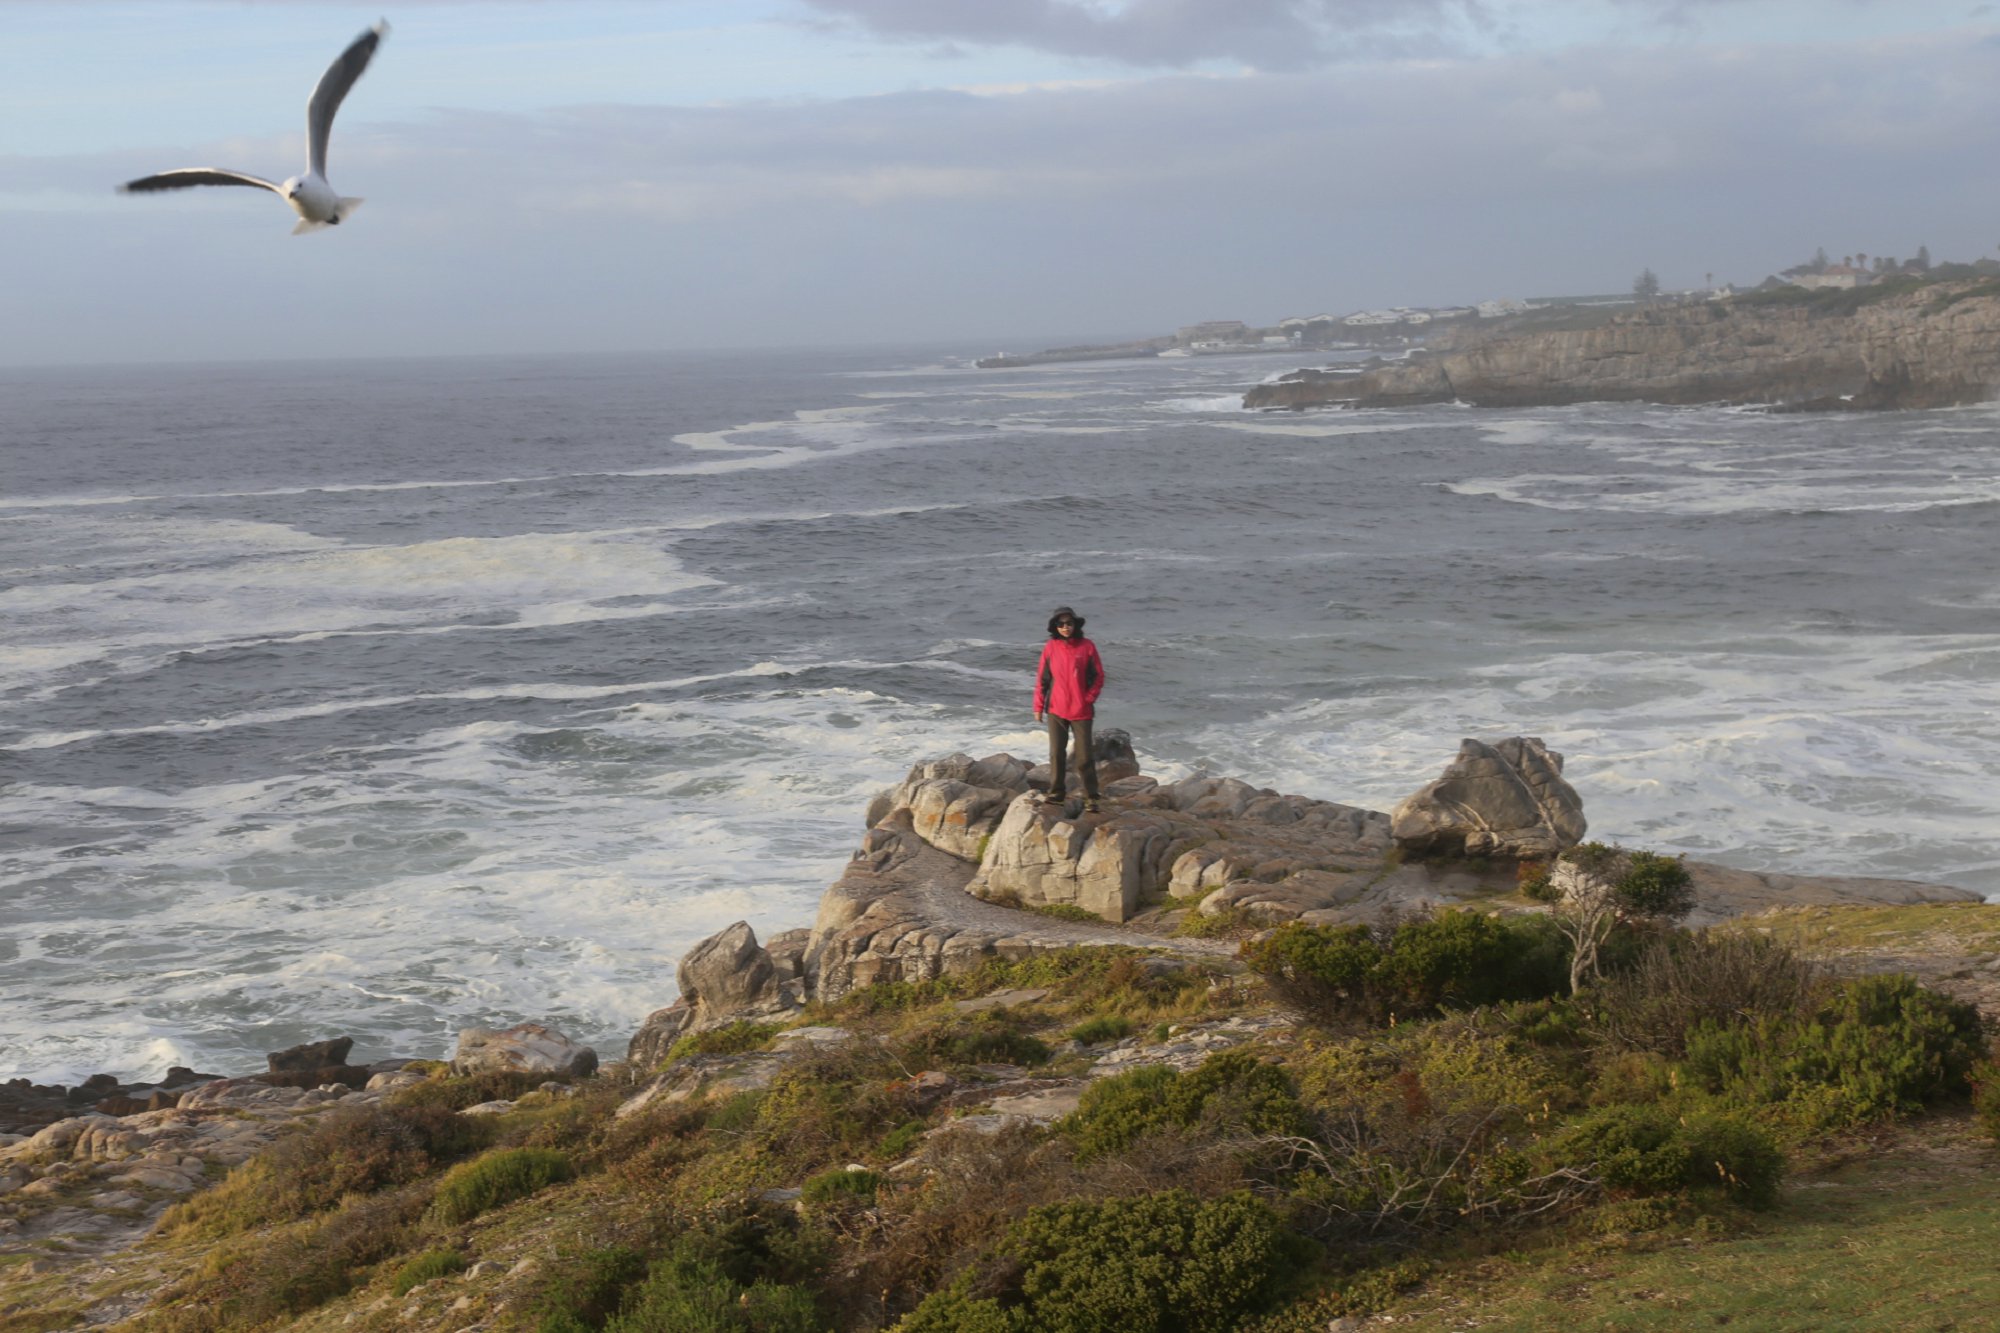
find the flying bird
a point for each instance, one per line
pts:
(309, 195)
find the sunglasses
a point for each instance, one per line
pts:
(1065, 624)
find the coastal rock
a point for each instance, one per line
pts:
(955, 802)
(724, 979)
(1506, 799)
(1938, 346)
(524, 1048)
(310, 1056)
(1182, 841)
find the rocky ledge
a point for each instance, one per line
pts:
(1936, 345)
(955, 852)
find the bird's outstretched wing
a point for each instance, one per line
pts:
(333, 86)
(186, 176)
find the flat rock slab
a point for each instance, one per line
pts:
(1041, 1107)
(812, 1038)
(1001, 999)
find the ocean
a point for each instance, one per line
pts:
(389, 698)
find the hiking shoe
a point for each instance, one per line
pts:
(1090, 805)
(1055, 798)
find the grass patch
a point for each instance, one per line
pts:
(1902, 1241)
(495, 1179)
(733, 1039)
(1963, 927)
(430, 1264)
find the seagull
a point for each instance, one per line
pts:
(309, 195)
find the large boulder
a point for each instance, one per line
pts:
(727, 977)
(1184, 841)
(955, 802)
(1106, 864)
(1505, 799)
(529, 1048)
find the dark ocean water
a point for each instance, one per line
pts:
(389, 698)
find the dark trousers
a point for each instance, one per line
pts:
(1059, 730)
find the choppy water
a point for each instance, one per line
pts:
(391, 698)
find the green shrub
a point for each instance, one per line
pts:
(733, 1039)
(586, 1289)
(1883, 1045)
(430, 1264)
(455, 1094)
(840, 1186)
(1232, 1090)
(740, 1273)
(1105, 1027)
(1151, 1264)
(350, 1151)
(290, 1269)
(899, 1142)
(1453, 959)
(1647, 1150)
(1459, 958)
(1319, 969)
(989, 1037)
(1985, 1079)
(694, 1297)
(1680, 980)
(474, 1187)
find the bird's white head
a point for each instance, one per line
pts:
(311, 197)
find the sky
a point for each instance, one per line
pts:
(574, 176)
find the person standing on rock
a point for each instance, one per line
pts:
(1067, 683)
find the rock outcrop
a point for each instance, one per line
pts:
(1938, 346)
(1504, 799)
(956, 850)
(525, 1048)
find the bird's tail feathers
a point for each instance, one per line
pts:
(307, 224)
(346, 207)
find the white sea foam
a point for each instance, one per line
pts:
(329, 587)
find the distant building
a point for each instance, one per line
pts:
(1213, 331)
(1504, 306)
(1835, 275)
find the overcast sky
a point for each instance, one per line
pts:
(574, 176)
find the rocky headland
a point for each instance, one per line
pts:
(964, 870)
(1903, 344)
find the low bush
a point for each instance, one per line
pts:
(1105, 1027)
(456, 1094)
(1454, 959)
(1882, 1045)
(1682, 980)
(989, 1037)
(839, 1186)
(586, 1289)
(732, 1039)
(291, 1269)
(1648, 1150)
(350, 1151)
(474, 1187)
(430, 1264)
(739, 1272)
(1985, 1079)
(1233, 1091)
(1152, 1264)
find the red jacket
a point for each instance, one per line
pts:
(1069, 679)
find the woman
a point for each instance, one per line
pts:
(1067, 683)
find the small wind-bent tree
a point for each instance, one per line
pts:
(1646, 286)
(1595, 887)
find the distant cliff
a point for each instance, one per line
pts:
(1907, 345)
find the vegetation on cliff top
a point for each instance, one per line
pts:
(1427, 1112)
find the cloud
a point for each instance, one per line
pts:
(1130, 207)
(1175, 34)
